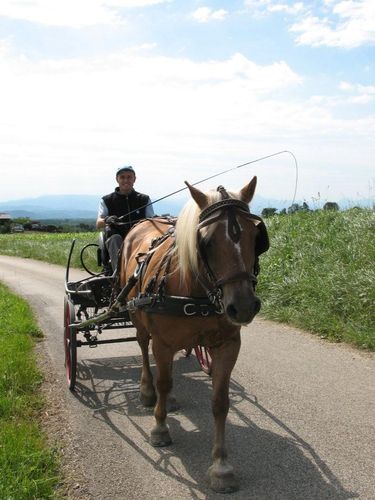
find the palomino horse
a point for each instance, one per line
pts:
(195, 286)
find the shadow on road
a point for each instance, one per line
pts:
(270, 465)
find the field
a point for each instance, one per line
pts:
(318, 274)
(48, 247)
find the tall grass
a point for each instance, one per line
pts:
(319, 274)
(28, 469)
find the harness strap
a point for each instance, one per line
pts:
(174, 305)
(243, 275)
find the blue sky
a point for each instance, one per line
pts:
(184, 89)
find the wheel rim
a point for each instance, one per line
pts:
(69, 344)
(68, 359)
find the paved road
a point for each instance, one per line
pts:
(301, 424)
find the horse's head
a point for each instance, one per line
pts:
(224, 247)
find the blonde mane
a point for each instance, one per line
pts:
(186, 233)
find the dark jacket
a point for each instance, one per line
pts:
(124, 204)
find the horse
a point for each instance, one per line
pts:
(195, 285)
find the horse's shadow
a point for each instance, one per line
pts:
(269, 465)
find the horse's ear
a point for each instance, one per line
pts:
(256, 222)
(247, 192)
(199, 197)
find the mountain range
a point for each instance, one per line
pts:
(86, 206)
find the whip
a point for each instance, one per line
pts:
(225, 172)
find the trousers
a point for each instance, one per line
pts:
(113, 244)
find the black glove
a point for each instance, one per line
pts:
(111, 220)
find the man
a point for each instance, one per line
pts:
(124, 201)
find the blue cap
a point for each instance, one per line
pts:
(125, 169)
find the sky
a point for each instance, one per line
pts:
(182, 90)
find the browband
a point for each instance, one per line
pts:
(228, 202)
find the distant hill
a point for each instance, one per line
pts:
(70, 207)
(86, 206)
(53, 207)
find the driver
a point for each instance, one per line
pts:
(124, 201)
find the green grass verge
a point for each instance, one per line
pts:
(28, 468)
(319, 274)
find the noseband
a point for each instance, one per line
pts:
(215, 212)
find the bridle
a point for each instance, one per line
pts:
(215, 212)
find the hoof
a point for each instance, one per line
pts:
(160, 438)
(222, 479)
(148, 400)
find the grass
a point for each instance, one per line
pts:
(318, 274)
(49, 247)
(28, 467)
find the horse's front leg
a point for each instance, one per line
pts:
(164, 359)
(220, 474)
(147, 392)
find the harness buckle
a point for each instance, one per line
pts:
(186, 312)
(204, 310)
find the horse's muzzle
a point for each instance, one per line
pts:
(242, 312)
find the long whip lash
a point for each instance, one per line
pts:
(225, 172)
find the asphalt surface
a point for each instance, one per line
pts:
(301, 424)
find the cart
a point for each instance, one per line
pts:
(91, 308)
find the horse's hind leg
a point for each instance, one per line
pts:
(164, 358)
(147, 390)
(221, 476)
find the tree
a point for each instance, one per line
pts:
(305, 207)
(5, 228)
(268, 212)
(22, 220)
(295, 207)
(331, 205)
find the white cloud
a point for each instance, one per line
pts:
(348, 24)
(72, 13)
(134, 3)
(357, 87)
(332, 23)
(346, 86)
(264, 7)
(67, 119)
(293, 9)
(364, 94)
(205, 14)
(71, 122)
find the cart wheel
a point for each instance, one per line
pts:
(70, 344)
(204, 358)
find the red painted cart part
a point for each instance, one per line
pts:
(204, 358)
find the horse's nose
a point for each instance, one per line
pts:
(243, 313)
(257, 305)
